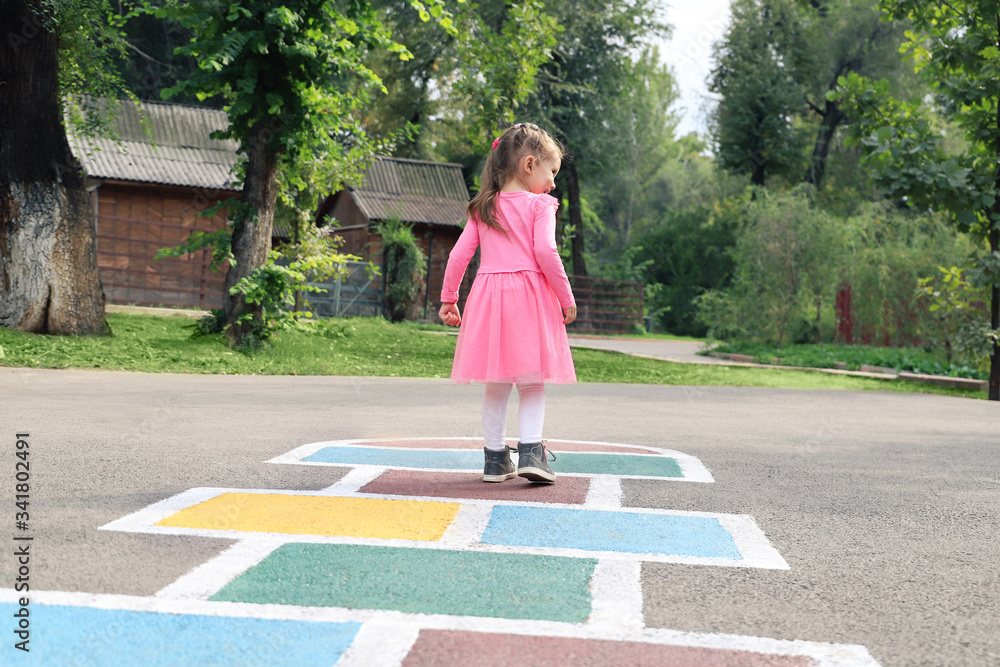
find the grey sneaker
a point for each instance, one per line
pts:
(532, 464)
(498, 466)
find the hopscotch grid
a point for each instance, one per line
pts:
(826, 654)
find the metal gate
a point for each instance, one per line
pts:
(356, 294)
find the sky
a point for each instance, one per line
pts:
(697, 25)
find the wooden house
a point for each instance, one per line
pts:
(431, 196)
(149, 188)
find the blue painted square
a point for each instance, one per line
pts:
(458, 459)
(91, 637)
(597, 530)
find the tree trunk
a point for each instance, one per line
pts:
(832, 117)
(252, 232)
(575, 219)
(995, 319)
(994, 388)
(757, 174)
(48, 246)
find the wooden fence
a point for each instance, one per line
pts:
(606, 306)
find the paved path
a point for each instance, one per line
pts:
(306, 520)
(671, 350)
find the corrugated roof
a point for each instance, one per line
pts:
(410, 208)
(413, 191)
(179, 151)
(416, 177)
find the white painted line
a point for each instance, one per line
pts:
(150, 515)
(466, 530)
(383, 642)
(751, 540)
(616, 594)
(354, 480)
(692, 468)
(605, 493)
(826, 655)
(208, 579)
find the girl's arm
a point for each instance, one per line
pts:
(458, 261)
(547, 255)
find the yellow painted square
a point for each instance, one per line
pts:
(319, 515)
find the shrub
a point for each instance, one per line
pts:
(405, 267)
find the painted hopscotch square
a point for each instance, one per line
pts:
(512, 650)
(95, 637)
(292, 514)
(612, 531)
(569, 490)
(462, 459)
(617, 464)
(429, 581)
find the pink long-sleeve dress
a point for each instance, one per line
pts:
(512, 329)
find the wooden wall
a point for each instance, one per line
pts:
(133, 222)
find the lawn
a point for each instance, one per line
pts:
(366, 347)
(852, 357)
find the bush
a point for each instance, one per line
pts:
(405, 267)
(786, 263)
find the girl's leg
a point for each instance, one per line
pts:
(531, 411)
(495, 414)
(532, 456)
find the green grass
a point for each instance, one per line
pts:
(366, 347)
(915, 360)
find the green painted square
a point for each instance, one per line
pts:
(617, 464)
(428, 581)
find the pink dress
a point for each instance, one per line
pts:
(512, 329)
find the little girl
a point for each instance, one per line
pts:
(514, 328)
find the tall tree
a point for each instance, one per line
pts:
(757, 74)
(773, 70)
(293, 77)
(956, 46)
(846, 37)
(579, 89)
(48, 252)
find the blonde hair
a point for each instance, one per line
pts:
(516, 142)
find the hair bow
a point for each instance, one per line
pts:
(495, 142)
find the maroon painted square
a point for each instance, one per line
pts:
(445, 648)
(568, 490)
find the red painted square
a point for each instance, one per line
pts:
(445, 648)
(569, 490)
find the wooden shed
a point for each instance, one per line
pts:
(149, 189)
(431, 196)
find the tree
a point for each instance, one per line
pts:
(48, 252)
(956, 46)
(580, 88)
(293, 77)
(846, 37)
(757, 74)
(773, 70)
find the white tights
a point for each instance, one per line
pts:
(530, 412)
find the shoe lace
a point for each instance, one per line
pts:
(546, 452)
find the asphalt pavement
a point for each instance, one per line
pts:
(884, 506)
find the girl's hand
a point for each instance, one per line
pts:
(449, 314)
(570, 314)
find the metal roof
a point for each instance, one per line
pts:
(177, 151)
(413, 191)
(410, 208)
